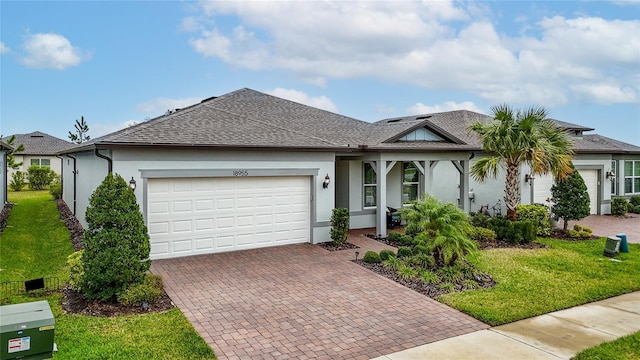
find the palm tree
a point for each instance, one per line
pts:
(521, 137)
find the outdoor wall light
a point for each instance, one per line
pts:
(472, 195)
(132, 184)
(610, 175)
(528, 178)
(326, 182)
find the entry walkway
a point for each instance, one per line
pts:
(557, 335)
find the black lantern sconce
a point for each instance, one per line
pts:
(326, 182)
(528, 178)
(132, 184)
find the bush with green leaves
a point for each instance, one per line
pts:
(339, 226)
(445, 226)
(372, 257)
(636, 209)
(394, 236)
(404, 252)
(515, 232)
(406, 240)
(479, 219)
(618, 206)
(116, 242)
(539, 214)
(40, 177)
(481, 234)
(17, 181)
(386, 254)
(580, 231)
(55, 188)
(74, 262)
(630, 207)
(420, 249)
(149, 291)
(570, 198)
(635, 200)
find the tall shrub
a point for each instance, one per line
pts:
(40, 177)
(339, 226)
(619, 206)
(116, 243)
(17, 181)
(570, 198)
(539, 215)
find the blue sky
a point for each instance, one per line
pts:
(117, 63)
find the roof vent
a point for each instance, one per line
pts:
(392, 121)
(208, 99)
(424, 117)
(36, 136)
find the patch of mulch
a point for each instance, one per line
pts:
(329, 246)
(501, 244)
(73, 302)
(4, 215)
(72, 223)
(430, 290)
(384, 240)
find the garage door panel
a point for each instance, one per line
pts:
(189, 216)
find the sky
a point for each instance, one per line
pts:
(121, 62)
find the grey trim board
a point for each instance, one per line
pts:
(234, 172)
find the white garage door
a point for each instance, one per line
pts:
(590, 178)
(542, 188)
(208, 215)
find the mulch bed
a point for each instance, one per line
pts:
(430, 290)
(73, 302)
(330, 247)
(74, 226)
(4, 215)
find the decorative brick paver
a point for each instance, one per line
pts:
(607, 225)
(301, 301)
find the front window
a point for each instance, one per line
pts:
(631, 177)
(410, 182)
(41, 162)
(370, 185)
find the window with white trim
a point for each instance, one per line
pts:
(370, 185)
(632, 177)
(41, 162)
(410, 182)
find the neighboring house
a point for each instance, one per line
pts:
(247, 170)
(3, 170)
(39, 149)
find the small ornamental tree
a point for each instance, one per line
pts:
(570, 198)
(116, 242)
(339, 226)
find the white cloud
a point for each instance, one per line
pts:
(421, 108)
(606, 94)
(161, 105)
(444, 45)
(4, 49)
(51, 51)
(320, 102)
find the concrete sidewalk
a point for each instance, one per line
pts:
(557, 335)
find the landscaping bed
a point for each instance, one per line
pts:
(4, 215)
(74, 303)
(329, 246)
(75, 228)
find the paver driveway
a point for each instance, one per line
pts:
(301, 301)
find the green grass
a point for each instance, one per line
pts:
(624, 348)
(35, 242)
(535, 282)
(44, 245)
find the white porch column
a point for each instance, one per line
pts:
(381, 188)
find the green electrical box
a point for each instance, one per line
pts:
(26, 331)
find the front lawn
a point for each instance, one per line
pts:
(537, 281)
(36, 243)
(624, 348)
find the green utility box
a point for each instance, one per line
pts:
(26, 331)
(612, 247)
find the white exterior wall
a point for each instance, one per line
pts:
(56, 164)
(91, 171)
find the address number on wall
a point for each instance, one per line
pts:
(240, 173)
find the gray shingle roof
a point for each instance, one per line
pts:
(38, 143)
(249, 119)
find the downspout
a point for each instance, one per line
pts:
(109, 161)
(75, 173)
(61, 176)
(6, 178)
